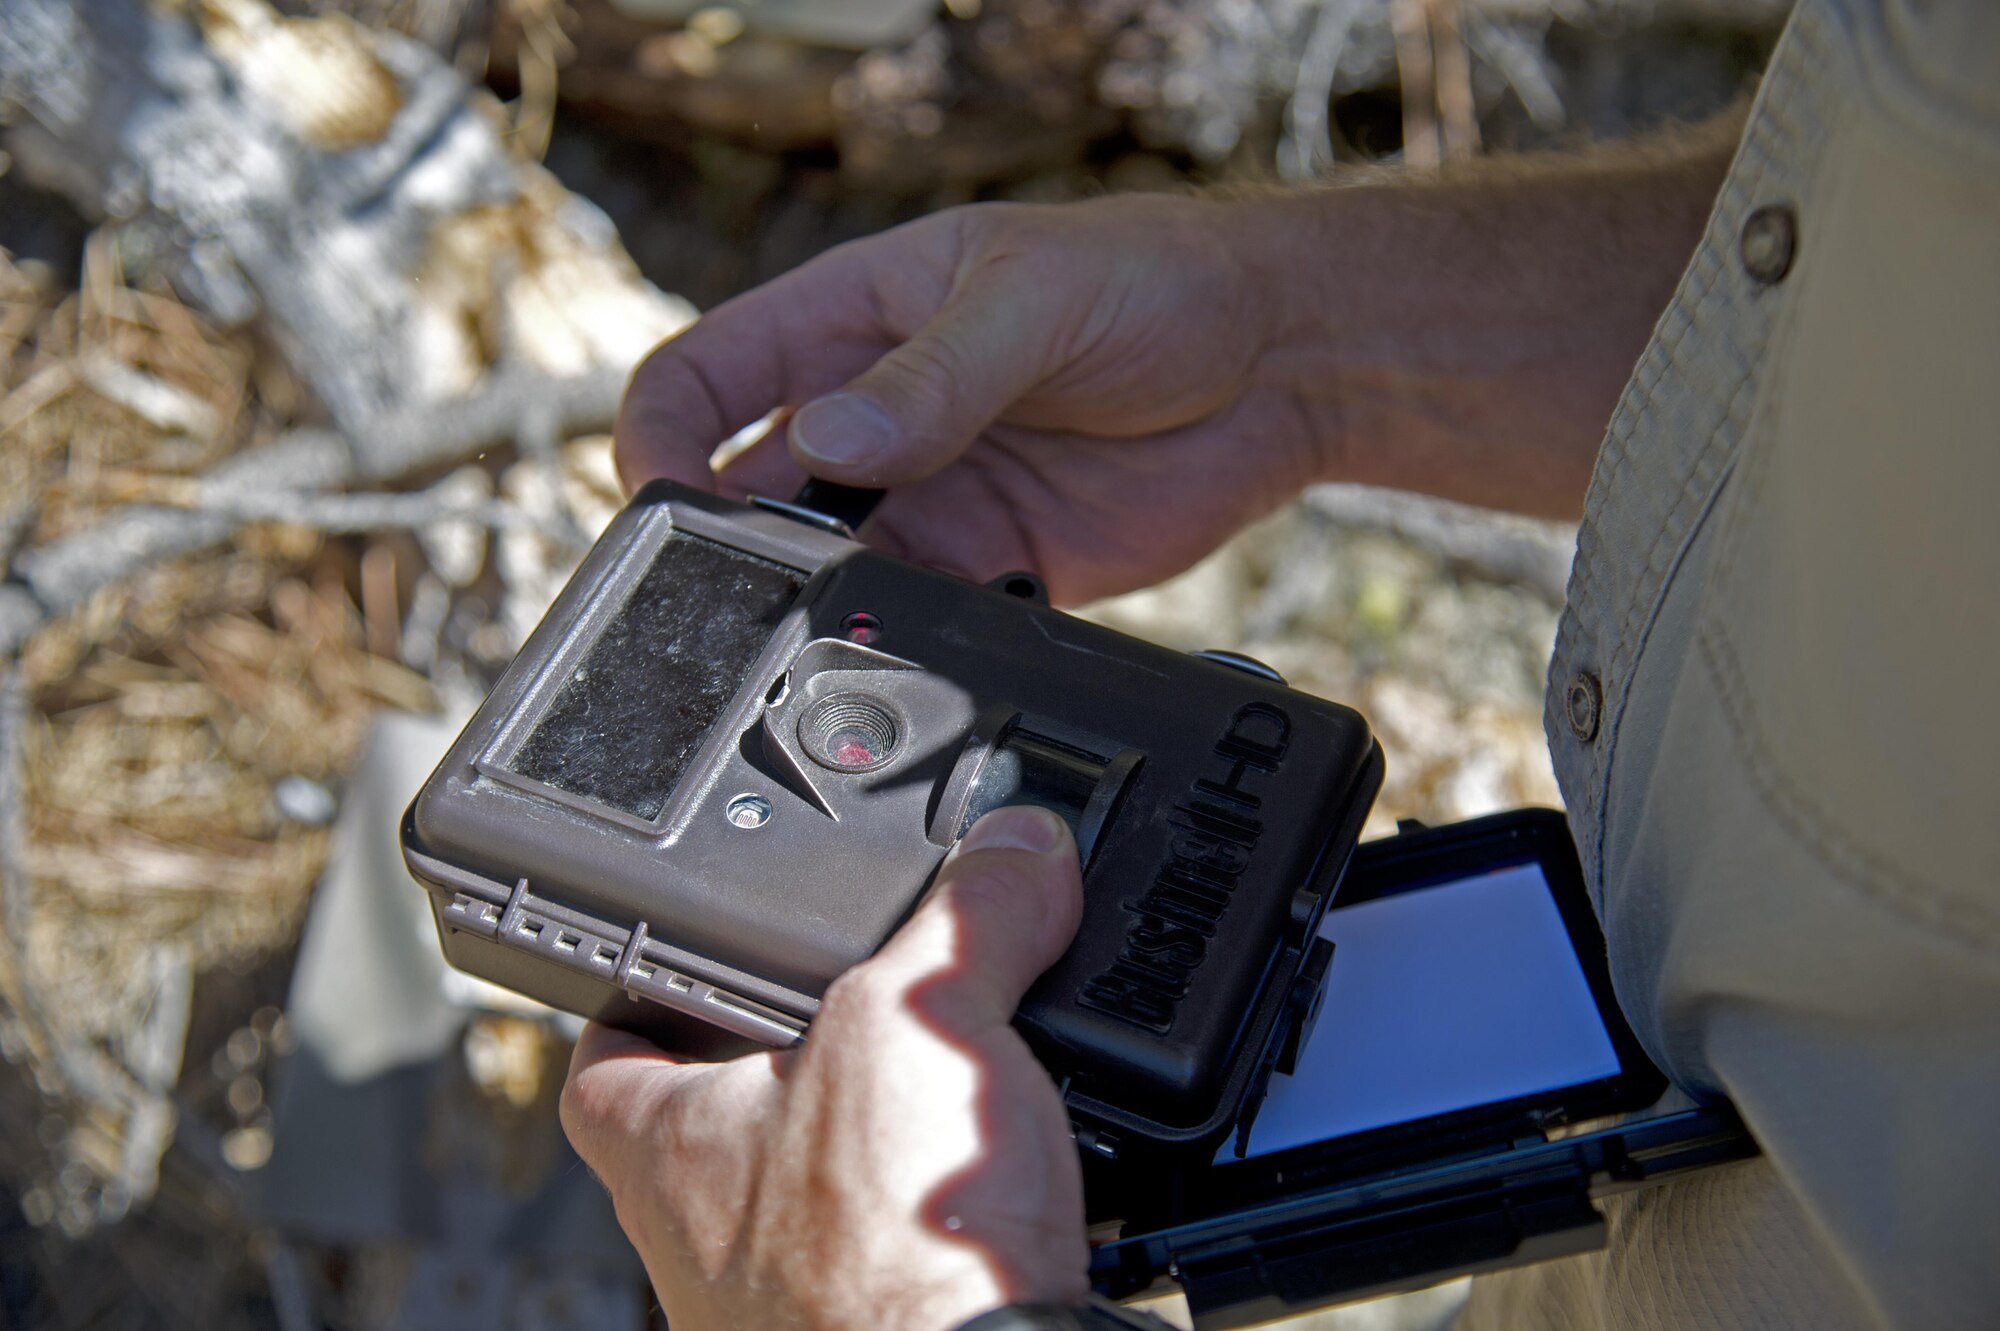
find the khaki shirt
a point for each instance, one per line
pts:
(1775, 705)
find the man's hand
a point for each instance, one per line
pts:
(1103, 392)
(1041, 386)
(907, 1168)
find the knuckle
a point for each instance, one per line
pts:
(929, 365)
(976, 224)
(864, 996)
(654, 376)
(1002, 884)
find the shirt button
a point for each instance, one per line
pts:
(1583, 702)
(1770, 238)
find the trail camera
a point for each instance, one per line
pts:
(728, 763)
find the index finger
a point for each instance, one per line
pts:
(792, 339)
(629, 1105)
(617, 1082)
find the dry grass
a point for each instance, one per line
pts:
(151, 765)
(162, 712)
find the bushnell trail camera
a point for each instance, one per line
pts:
(727, 764)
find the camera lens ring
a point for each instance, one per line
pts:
(850, 732)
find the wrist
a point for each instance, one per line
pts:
(922, 1283)
(1331, 265)
(1468, 334)
(1278, 248)
(1401, 307)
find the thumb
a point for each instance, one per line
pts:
(919, 406)
(1006, 903)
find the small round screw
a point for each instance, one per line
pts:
(748, 811)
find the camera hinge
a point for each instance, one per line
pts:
(614, 956)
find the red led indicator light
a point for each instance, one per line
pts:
(861, 627)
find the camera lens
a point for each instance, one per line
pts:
(849, 732)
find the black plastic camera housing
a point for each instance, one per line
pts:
(728, 763)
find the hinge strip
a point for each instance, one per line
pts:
(615, 956)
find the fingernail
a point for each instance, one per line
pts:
(1021, 827)
(844, 428)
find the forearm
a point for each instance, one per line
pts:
(1468, 337)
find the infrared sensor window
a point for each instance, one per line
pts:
(623, 726)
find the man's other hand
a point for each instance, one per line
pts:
(1103, 392)
(906, 1168)
(1084, 391)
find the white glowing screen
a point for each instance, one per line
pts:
(1440, 998)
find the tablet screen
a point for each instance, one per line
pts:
(1440, 998)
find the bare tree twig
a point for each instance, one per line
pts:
(1454, 81)
(154, 112)
(1416, 72)
(57, 577)
(172, 409)
(323, 213)
(343, 513)
(280, 480)
(13, 863)
(84, 1071)
(1524, 65)
(1308, 140)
